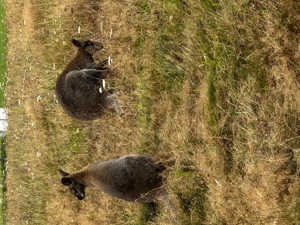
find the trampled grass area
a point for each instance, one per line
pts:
(210, 88)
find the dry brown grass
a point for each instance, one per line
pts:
(211, 88)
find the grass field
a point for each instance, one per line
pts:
(210, 88)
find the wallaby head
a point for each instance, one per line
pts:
(89, 47)
(75, 188)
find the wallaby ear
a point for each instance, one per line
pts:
(77, 43)
(63, 173)
(67, 181)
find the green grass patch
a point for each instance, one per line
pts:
(76, 140)
(192, 200)
(297, 210)
(148, 212)
(2, 183)
(165, 73)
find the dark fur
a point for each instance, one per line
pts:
(77, 88)
(131, 178)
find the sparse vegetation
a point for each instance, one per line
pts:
(210, 88)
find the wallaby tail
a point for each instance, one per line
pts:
(169, 204)
(112, 102)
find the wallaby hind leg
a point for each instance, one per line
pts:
(111, 102)
(98, 65)
(102, 63)
(94, 76)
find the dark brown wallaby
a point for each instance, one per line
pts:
(131, 178)
(80, 89)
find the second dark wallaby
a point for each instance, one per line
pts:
(131, 178)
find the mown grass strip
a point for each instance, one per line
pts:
(2, 53)
(163, 76)
(2, 182)
(2, 85)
